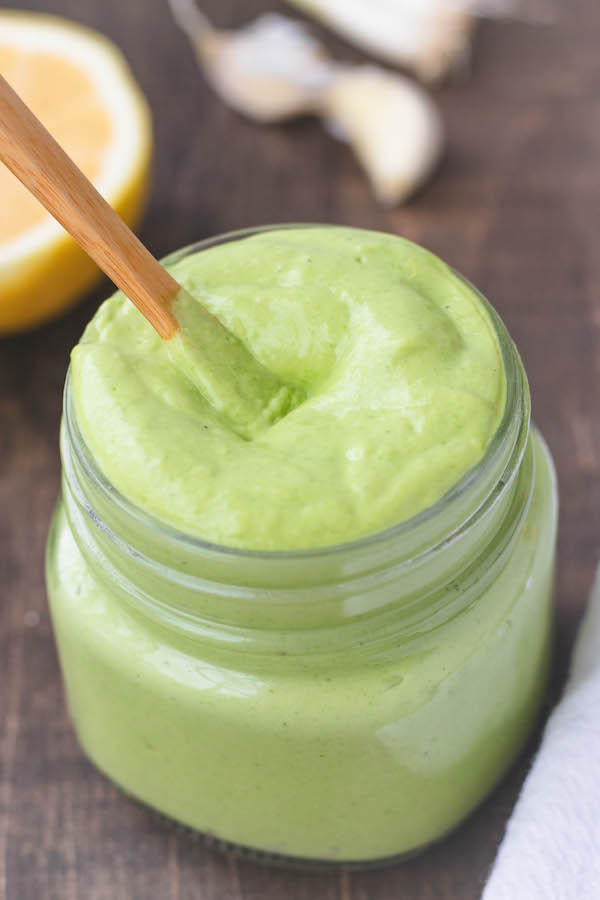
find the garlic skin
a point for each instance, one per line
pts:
(393, 126)
(427, 37)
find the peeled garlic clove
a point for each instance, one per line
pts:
(270, 70)
(429, 37)
(392, 125)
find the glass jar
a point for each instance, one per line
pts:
(345, 704)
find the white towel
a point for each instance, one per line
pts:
(551, 849)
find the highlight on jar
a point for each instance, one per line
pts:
(300, 573)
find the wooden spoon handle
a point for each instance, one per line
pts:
(33, 155)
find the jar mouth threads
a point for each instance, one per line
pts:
(236, 596)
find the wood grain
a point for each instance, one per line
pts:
(34, 157)
(514, 206)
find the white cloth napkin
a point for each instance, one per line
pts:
(551, 849)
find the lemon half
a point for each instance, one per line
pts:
(80, 86)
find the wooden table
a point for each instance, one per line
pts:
(515, 206)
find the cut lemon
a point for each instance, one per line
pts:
(80, 86)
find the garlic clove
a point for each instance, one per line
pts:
(392, 125)
(270, 70)
(428, 37)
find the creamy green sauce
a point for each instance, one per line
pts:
(363, 378)
(391, 371)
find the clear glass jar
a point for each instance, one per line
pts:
(345, 704)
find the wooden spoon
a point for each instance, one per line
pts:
(223, 369)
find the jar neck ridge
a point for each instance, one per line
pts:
(406, 578)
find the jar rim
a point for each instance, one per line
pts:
(507, 444)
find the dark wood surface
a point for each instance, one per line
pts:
(515, 207)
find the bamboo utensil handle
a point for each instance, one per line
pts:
(32, 154)
(216, 362)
